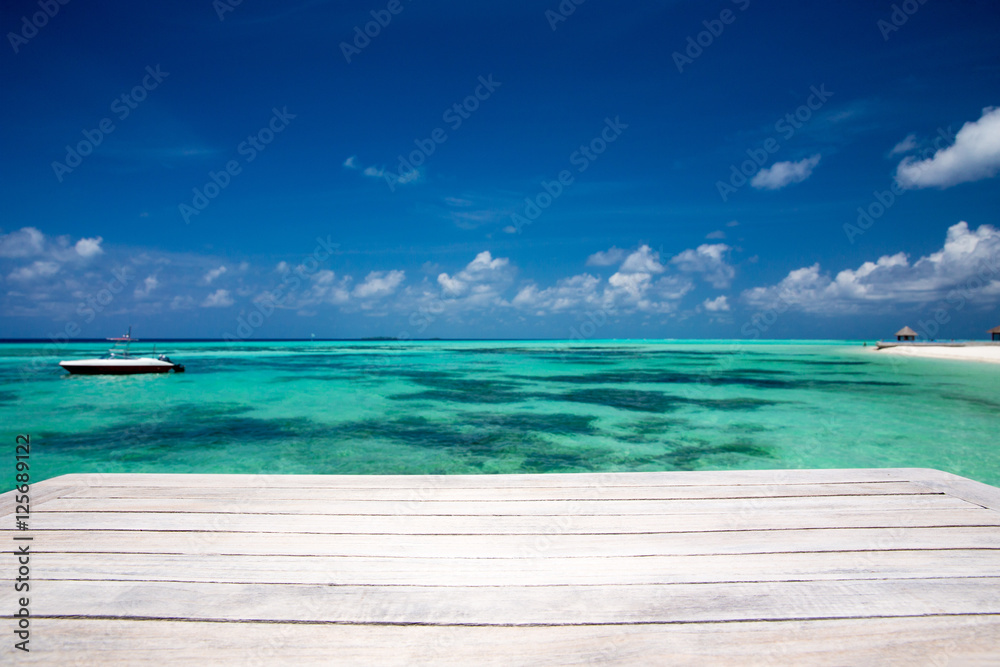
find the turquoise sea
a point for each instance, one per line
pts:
(502, 407)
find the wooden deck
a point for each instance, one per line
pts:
(894, 566)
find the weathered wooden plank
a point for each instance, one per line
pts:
(515, 605)
(960, 487)
(749, 518)
(430, 495)
(38, 493)
(686, 478)
(444, 571)
(563, 545)
(939, 640)
(249, 505)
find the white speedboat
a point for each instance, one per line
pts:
(119, 361)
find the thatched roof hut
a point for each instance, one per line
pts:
(995, 332)
(906, 333)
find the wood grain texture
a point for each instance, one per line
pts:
(553, 545)
(633, 507)
(896, 566)
(553, 480)
(747, 518)
(954, 640)
(528, 571)
(430, 494)
(515, 605)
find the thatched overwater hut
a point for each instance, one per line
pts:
(995, 332)
(906, 333)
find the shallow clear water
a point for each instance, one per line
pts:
(502, 407)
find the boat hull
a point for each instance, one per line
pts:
(117, 366)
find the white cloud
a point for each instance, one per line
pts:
(381, 172)
(148, 285)
(672, 288)
(717, 235)
(474, 219)
(969, 261)
(632, 287)
(710, 260)
(716, 305)
(480, 286)
(325, 287)
(975, 155)
(567, 294)
(643, 260)
(472, 211)
(451, 286)
(733, 223)
(25, 242)
(410, 176)
(606, 257)
(213, 274)
(220, 298)
(482, 272)
(54, 274)
(378, 284)
(629, 292)
(88, 248)
(182, 302)
(336, 292)
(904, 146)
(30, 242)
(34, 271)
(781, 174)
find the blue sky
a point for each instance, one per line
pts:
(728, 169)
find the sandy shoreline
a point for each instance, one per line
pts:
(987, 353)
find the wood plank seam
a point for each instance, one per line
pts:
(182, 619)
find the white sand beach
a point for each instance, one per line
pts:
(987, 353)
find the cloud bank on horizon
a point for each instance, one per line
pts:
(50, 277)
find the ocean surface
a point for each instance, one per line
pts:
(501, 407)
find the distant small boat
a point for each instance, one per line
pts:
(119, 361)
